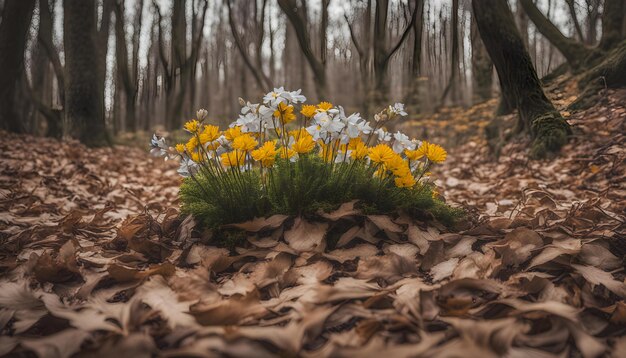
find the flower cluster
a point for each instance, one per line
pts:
(283, 130)
(261, 133)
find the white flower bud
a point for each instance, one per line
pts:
(242, 102)
(201, 114)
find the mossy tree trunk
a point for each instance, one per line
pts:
(84, 115)
(518, 79)
(574, 52)
(16, 16)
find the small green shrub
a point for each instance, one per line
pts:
(272, 161)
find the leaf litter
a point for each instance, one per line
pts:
(95, 260)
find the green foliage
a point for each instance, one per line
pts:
(305, 187)
(234, 197)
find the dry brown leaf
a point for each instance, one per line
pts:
(258, 224)
(122, 273)
(306, 236)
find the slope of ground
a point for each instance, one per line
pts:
(95, 261)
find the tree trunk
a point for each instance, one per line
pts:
(413, 96)
(593, 15)
(571, 4)
(454, 62)
(16, 16)
(518, 78)
(612, 24)
(84, 116)
(574, 52)
(317, 66)
(482, 67)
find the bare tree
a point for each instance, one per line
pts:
(571, 5)
(518, 79)
(574, 51)
(383, 53)
(253, 62)
(482, 67)
(613, 17)
(84, 115)
(179, 69)
(16, 16)
(298, 21)
(454, 57)
(128, 68)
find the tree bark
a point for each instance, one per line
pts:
(383, 53)
(127, 70)
(452, 85)
(16, 16)
(413, 96)
(84, 115)
(317, 66)
(482, 67)
(612, 24)
(518, 79)
(254, 65)
(574, 52)
(571, 4)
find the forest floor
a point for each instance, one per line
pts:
(95, 261)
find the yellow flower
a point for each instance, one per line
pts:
(233, 159)
(232, 133)
(180, 148)
(266, 154)
(304, 145)
(406, 181)
(398, 166)
(354, 143)
(413, 154)
(192, 144)
(381, 153)
(286, 153)
(359, 152)
(192, 126)
(435, 194)
(195, 156)
(209, 134)
(285, 113)
(435, 153)
(299, 133)
(212, 146)
(245, 142)
(308, 110)
(325, 106)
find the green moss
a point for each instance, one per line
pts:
(550, 132)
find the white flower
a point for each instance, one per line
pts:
(402, 142)
(398, 108)
(383, 135)
(279, 95)
(248, 122)
(274, 97)
(314, 131)
(294, 96)
(356, 126)
(328, 126)
(201, 114)
(343, 156)
(158, 147)
(187, 167)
